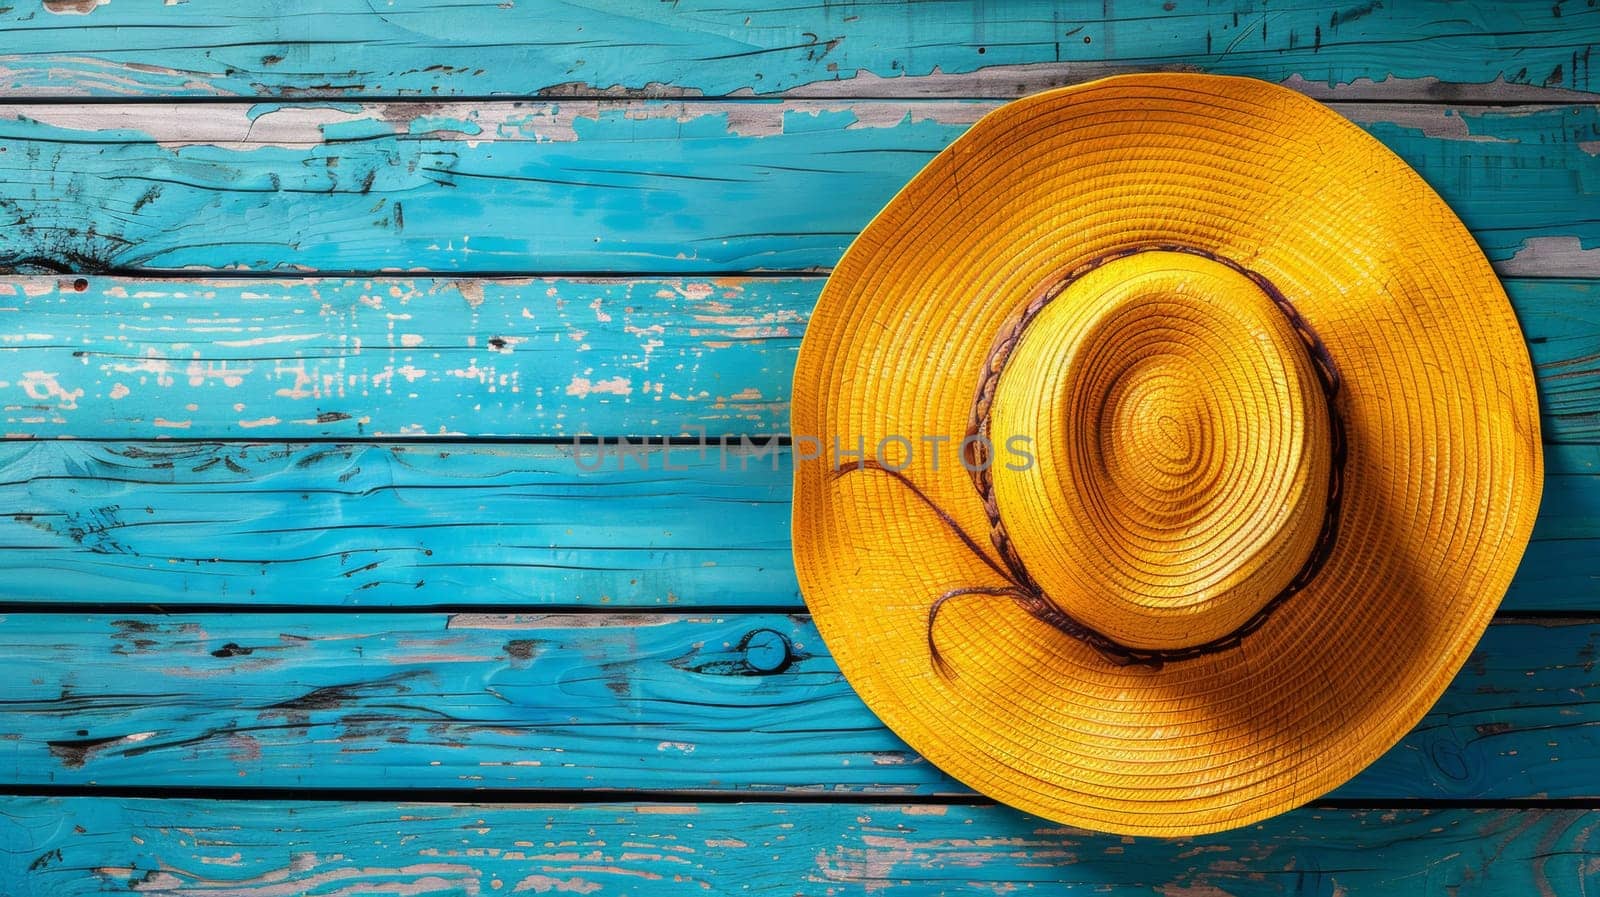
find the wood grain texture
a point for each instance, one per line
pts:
(400, 357)
(64, 847)
(546, 358)
(365, 525)
(636, 702)
(624, 186)
(667, 145)
(348, 48)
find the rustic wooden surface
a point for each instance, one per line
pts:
(708, 703)
(388, 358)
(626, 186)
(72, 846)
(352, 48)
(304, 589)
(250, 849)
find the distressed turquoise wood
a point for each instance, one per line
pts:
(175, 523)
(523, 357)
(370, 357)
(520, 525)
(288, 500)
(412, 47)
(70, 846)
(652, 187)
(742, 703)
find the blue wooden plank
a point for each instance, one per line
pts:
(369, 357)
(692, 47)
(364, 525)
(735, 703)
(690, 187)
(62, 847)
(395, 525)
(551, 358)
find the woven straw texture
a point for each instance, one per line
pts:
(1181, 451)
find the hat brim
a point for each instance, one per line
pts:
(1441, 485)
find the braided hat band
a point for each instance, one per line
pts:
(1021, 586)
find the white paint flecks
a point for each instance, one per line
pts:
(547, 884)
(42, 386)
(152, 362)
(199, 372)
(277, 339)
(583, 387)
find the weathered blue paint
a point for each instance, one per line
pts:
(373, 357)
(647, 702)
(520, 525)
(527, 358)
(624, 187)
(387, 525)
(414, 47)
(64, 847)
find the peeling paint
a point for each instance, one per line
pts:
(769, 119)
(540, 883)
(42, 386)
(1431, 89)
(226, 126)
(583, 387)
(557, 621)
(1543, 254)
(73, 7)
(1439, 122)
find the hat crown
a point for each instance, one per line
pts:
(1181, 449)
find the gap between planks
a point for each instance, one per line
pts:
(1497, 94)
(548, 797)
(799, 612)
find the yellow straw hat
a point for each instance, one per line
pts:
(1163, 448)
